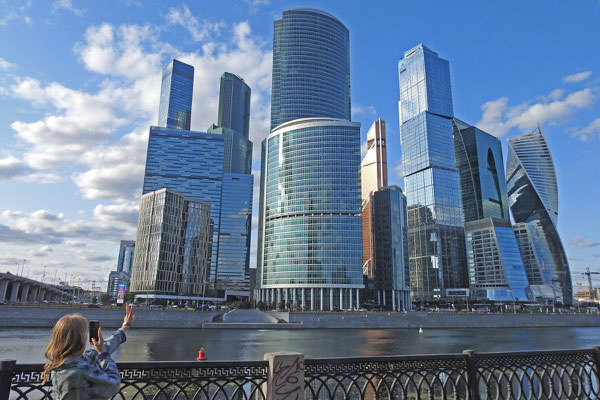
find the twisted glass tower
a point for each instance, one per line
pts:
(533, 199)
(309, 239)
(311, 67)
(436, 238)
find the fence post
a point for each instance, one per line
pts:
(6, 374)
(286, 376)
(472, 382)
(597, 359)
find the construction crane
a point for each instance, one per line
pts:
(589, 274)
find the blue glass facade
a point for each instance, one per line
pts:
(126, 252)
(435, 234)
(176, 91)
(496, 270)
(237, 157)
(234, 104)
(190, 163)
(234, 231)
(533, 199)
(480, 164)
(310, 225)
(311, 67)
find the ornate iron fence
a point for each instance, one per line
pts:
(568, 374)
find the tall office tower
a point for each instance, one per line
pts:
(190, 163)
(116, 278)
(237, 153)
(435, 234)
(176, 91)
(234, 104)
(126, 252)
(533, 199)
(311, 67)
(390, 236)
(373, 175)
(309, 225)
(496, 271)
(174, 246)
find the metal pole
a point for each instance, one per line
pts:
(6, 374)
(472, 383)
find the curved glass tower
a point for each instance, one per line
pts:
(311, 67)
(533, 199)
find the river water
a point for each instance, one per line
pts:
(27, 345)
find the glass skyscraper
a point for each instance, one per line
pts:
(176, 92)
(533, 199)
(311, 67)
(126, 252)
(234, 104)
(190, 163)
(237, 153)
(435, 223)
(390, 238)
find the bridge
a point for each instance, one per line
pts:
(17, 288)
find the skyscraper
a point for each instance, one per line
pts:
(533, 199)
(309, 249)
(126, 252)
(174, 245)
(234, 104)
(435, 234)
(391, 272)
(176, 92)
(373, 175)
(311, 67)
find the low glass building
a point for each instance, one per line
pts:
(174, 245)
(310, 252)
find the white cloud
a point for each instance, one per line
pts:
(199, 31)
(587, 133)
(43, 251)
(126, 213)
(499, 118)
(66, 5)
(582, 242)
(11, 11)
(577, 77)
(398, 170)
(366, 111)
(4, 65)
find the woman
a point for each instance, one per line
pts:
(79, 374)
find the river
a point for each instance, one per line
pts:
(27, 345)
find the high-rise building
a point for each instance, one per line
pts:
(390, 238)
(176, 93)
(309, 246)
(174, 246)
(496, 271)
(533, 199)
(311, 67)
(234, 104)
(435, 223)
(190, 163)
(115, 279)
(237, 153)
(126, 252)
(373, 175)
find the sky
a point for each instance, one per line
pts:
(80, 84)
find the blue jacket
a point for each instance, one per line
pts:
(92, 376)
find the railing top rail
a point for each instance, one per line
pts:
(412, 357)
(534, 353)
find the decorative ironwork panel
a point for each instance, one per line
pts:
(162, 381)
(569, 374)
(422, 377)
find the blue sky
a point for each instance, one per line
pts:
(80, 80)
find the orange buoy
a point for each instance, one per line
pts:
(201, 355)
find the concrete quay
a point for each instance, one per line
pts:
(46, 317)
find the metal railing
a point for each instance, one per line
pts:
(564, 374)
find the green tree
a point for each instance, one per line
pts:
(129, 297)
(105, 298)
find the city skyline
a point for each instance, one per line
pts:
(90, 202)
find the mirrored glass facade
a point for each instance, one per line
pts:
(310, 225)
(435, 234)
(176, 93)
(234, 104)
(126, 252)
(190, 163)
(496, 271)
(311, 67)
(174, 236)
(237, 153)
(533, 198)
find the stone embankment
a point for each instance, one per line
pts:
(45, 317)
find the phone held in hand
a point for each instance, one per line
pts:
(94, 326)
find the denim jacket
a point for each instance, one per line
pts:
(92, 376)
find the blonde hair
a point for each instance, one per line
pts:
(69, 337)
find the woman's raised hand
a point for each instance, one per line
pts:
(128, 320)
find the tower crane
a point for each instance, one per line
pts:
(589, 274)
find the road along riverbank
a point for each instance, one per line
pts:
(45, 317)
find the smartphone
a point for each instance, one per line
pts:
(94, 326)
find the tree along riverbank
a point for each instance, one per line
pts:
(42, 317)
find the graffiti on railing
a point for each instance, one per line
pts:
(288, 378)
